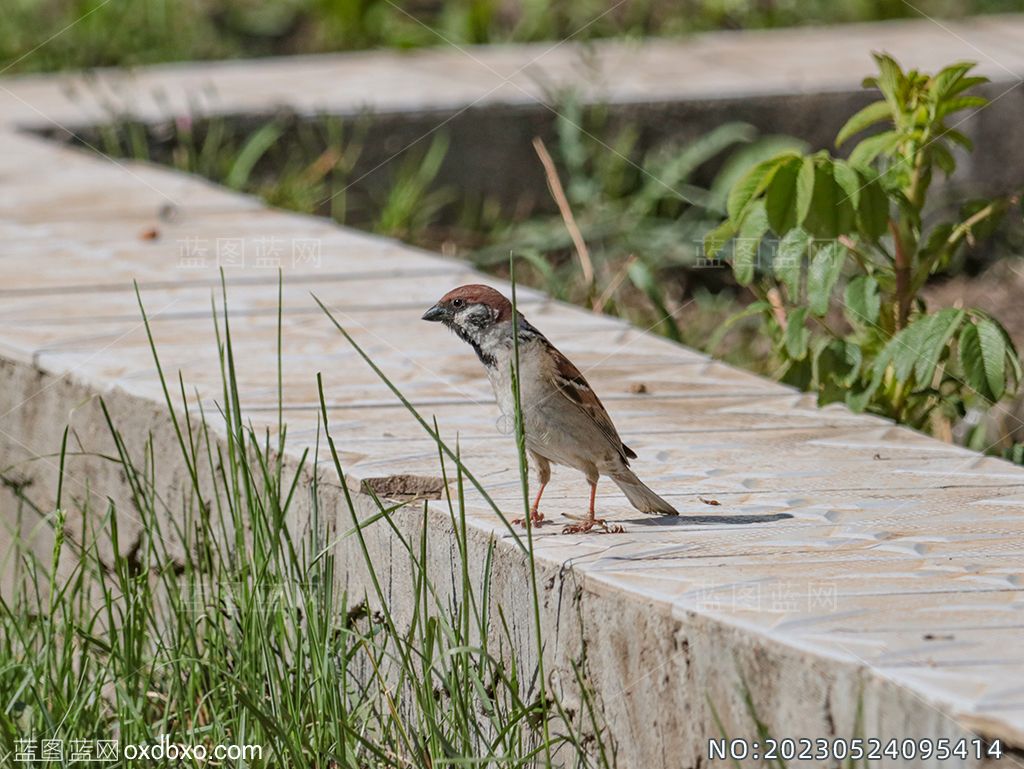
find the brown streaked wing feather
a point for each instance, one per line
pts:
(574, 386)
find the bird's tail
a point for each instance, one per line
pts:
(641, 497)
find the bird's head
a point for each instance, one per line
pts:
(478, 315)
(472, 312)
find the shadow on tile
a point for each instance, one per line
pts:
(703, 520)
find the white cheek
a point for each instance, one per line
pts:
(471, 320)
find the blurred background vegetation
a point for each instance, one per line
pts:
(103, 33)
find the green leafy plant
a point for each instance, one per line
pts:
(838, 251)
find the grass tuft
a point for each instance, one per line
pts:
(256, 608)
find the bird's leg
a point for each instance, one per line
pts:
(590, 521)
(536, 516)
(543, 467)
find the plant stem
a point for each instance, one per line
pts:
(902, 277)
(778, 309)
(963, 230)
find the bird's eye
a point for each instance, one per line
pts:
(457, 303)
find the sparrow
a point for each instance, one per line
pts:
(564, 422)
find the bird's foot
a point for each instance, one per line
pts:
(590, 524)
(536, 518)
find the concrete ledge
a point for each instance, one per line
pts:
(658, 667)
(894, 587)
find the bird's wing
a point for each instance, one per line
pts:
(573, 385)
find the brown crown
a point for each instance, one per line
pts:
(478, 294)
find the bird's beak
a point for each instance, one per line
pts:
(435, 313)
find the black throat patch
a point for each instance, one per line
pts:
(486, 358)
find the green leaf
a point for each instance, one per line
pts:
(854, 359)
(873, 211)
(943, 158)
(797, 334)
(748, 242)
(940, 328)
(963, 84)
(821, 215)
(787, 265)
(903, 349)
(983, 358)
(745, 157)
(717, 238)
(859, 400)
(781, 198)
(804, 189)
(936, 250)
(751, 185)
(681, 162)
(960, 102)
(670, 167)
(862, 301)
(833, 372)
(849, 181)
(255, 148)
(946, 79)
(864, 154)
(891, 81)
(1011, 352)
(958, 138)
(824, 272)
(798, 374)
(831, 211)
(950, 80)
(971, 360)
(865, 118)
(993, 350)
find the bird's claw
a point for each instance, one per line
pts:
(536, 518)
(589, 524)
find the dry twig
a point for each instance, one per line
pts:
(558, 193)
